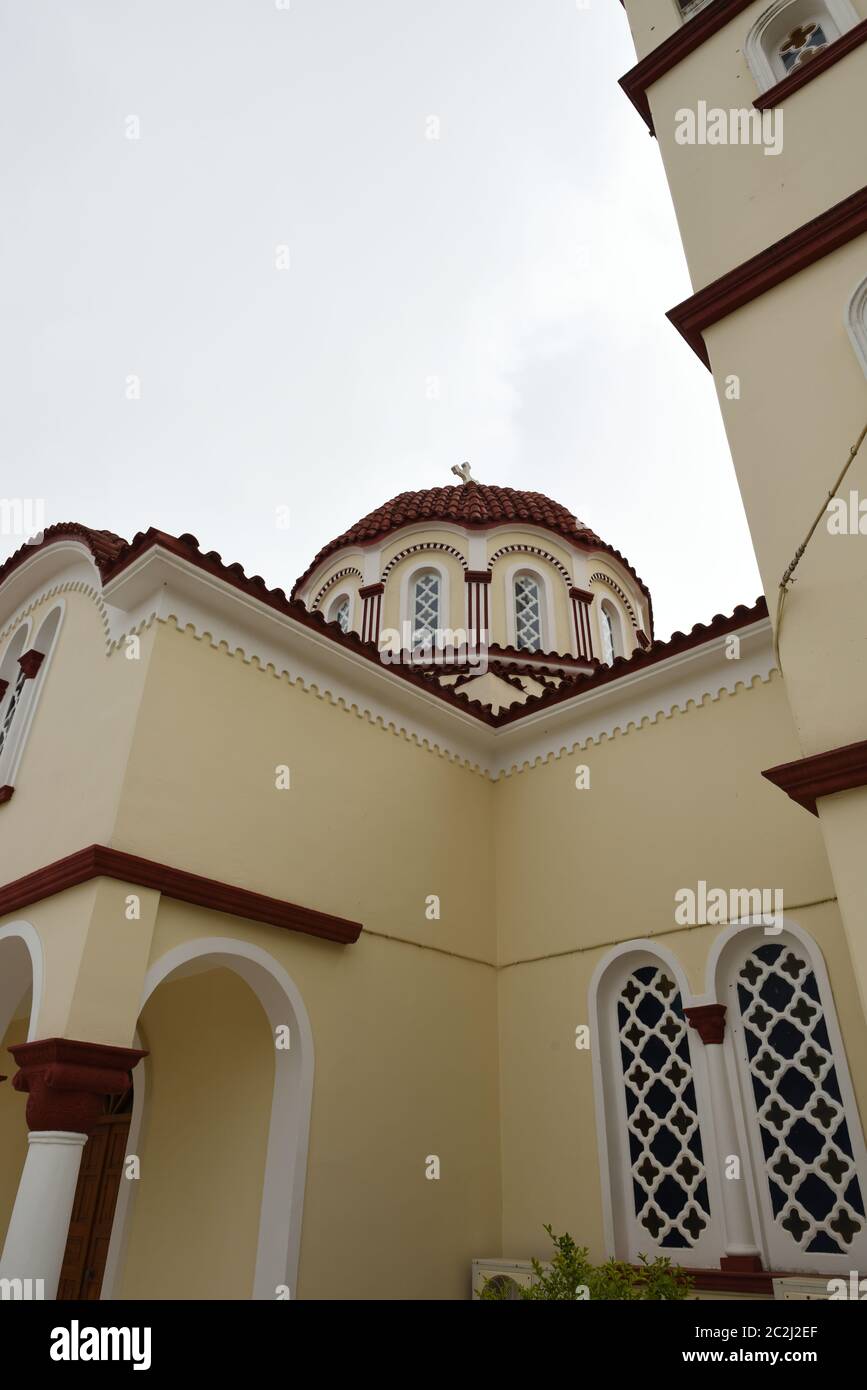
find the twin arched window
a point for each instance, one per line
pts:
(662, 1141)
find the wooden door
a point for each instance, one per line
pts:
(93, 1209)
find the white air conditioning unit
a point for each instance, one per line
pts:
(801, 1287)
(506, 1273)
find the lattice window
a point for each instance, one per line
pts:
(340, 613)
(528, 614)
(426, 607)
(802, 44)
(7, 714)
(669, 1182)
(815, 1192)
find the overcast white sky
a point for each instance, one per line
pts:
(525, 259)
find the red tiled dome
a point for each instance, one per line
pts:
(478, 506)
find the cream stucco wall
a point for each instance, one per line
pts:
(579, 871)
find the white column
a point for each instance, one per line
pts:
(38, 1229)
(740, 1239)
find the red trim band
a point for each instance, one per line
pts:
(99, 861)
(793, 253)
(823, 774)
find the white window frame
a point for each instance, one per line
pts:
(342, 595)
(623, 1239)
(688, 9)
(13, 750)
(407, 591)
(856, 322)
(726, 958)
(546, 604)
(837, 17)
(608, 607)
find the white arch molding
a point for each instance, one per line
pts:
(836, 17)
(546, 603)
(856, 323)
(279, 1240)
(22, 964)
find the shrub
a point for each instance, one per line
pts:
(570, 1275)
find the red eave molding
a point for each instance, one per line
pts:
(806, 779)
(785, 258)
(99, 861)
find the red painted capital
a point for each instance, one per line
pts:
(477, 576)
(709, 1021)
(66, 1080)
(582, 595)
(4, 686)
(6, 793)
(30, 662)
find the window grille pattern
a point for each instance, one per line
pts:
(810, 1169)
(669, 1183)
(802, 44)
(426, 607)
(341, 615)
(528, 614)
(11, 707)
(607, 637)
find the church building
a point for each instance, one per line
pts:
(352, 934)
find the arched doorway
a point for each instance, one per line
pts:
(172, 1135)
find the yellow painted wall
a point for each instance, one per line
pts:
(579, 871)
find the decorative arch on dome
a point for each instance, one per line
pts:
(440, 546)
(521, 549)
(615, 588)
(350, 572)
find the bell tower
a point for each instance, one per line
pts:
(759, 111)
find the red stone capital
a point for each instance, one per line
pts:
(30, 662)
(66, 1080)
(709, 1021)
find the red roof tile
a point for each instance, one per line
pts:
(478, 506)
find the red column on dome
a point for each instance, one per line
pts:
(371, 613)
(581, 601)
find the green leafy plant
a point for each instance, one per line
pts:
(570, 1276)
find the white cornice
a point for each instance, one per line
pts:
(161, 586)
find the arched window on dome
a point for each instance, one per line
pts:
(426, 606)
(528, 613)
(660, 1185)
(611, 632)
(340, 611)
(791, 33)
(802, 1122)
(856, 322)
